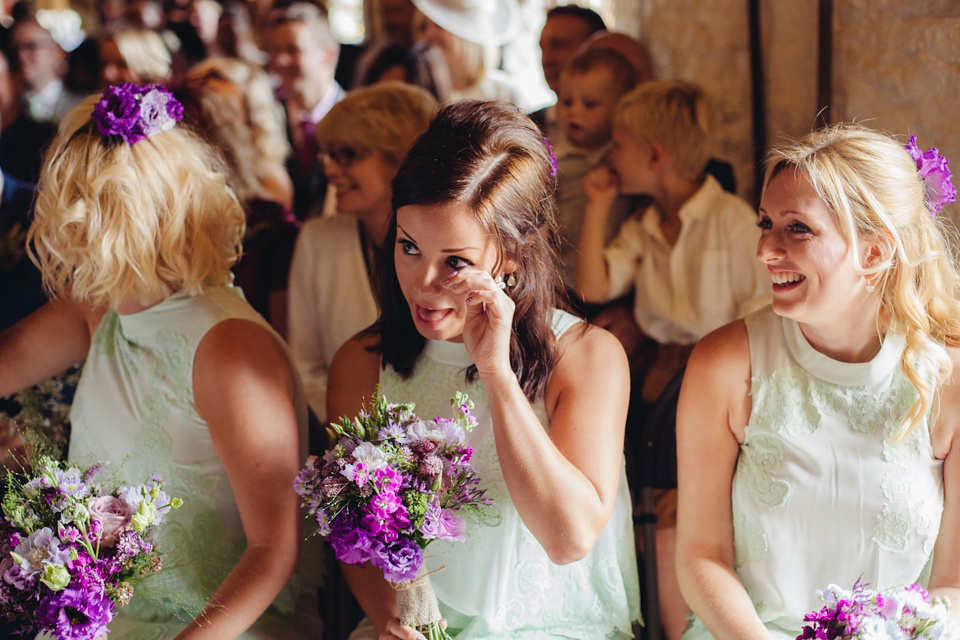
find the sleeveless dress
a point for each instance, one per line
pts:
(134, 408)
(823, 492)
(500, 583)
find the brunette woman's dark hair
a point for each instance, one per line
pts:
(494, 159)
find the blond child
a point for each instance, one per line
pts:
(590, 85)
(689, 257)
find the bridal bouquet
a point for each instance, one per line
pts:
(891, 614)
(73, 549)
(391, 485)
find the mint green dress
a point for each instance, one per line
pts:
(500, 583)
(823, 493)
(134, 408)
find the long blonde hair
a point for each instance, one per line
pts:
(871, 185)
(116, 221)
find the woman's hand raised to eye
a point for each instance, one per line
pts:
(489, 319)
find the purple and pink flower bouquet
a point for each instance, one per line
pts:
(900, 613)
(392, 484)
(73, 549)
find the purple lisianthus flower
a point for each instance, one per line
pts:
(77, 613)
(352, 544)
(442, 524)
(134, 112)
(401, 561)
(932, 169)
(154, 113)
(118, 113)
(451, 526)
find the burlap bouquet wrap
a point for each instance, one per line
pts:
(416, 602)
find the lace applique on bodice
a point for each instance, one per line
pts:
(500, 582)
(823, 491)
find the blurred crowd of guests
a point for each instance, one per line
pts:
(313, 132)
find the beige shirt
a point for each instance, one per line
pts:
(710, 277)
(329, 299)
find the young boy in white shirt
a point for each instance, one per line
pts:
(690, 257)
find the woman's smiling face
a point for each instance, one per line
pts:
(433, 241)
(813, 273)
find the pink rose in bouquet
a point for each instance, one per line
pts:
(114, 516)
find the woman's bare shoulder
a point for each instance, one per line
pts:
(354, 374)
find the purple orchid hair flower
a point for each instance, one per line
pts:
(135, 112)
(553, 157)
(932, 169)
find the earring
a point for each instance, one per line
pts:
(870, 287)
(511, 280)
(499, 282)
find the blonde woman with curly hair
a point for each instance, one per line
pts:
(135, 233)
(818, 439)
(231, 104)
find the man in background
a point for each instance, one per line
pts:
(41, 65)
(566, 29)
(303, 54)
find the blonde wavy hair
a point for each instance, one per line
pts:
(237, 112)
(118, 222)
(870, 183)
(675, 114)
(386, 117)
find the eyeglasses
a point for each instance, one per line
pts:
(32, 47)
(343, 157)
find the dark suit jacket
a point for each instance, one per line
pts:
(310, 185)
(21, 291)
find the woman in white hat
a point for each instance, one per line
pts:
(469, 34)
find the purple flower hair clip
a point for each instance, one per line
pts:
(553, 158)
(932, 169)
(135, 112)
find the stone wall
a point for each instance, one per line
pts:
(896, 67)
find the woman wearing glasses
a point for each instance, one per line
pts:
(362, 140)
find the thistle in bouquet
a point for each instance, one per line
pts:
(391, 484)
(73, 549)
(904, 612)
